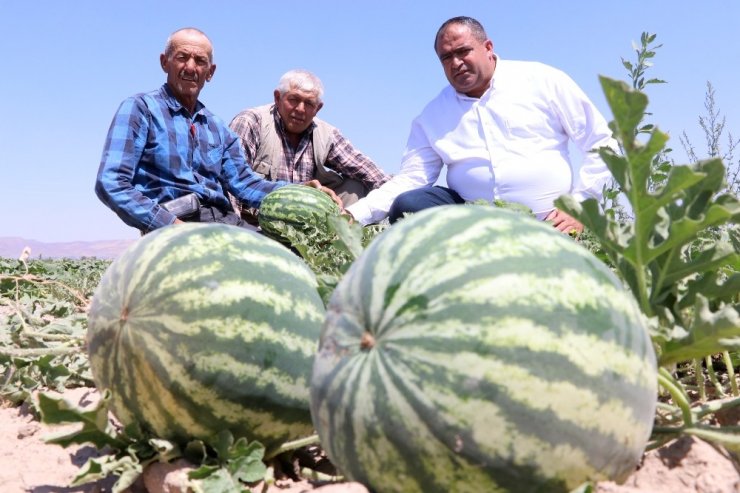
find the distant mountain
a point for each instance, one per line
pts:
(11, 247)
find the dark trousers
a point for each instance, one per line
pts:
(420, 199)
(210, 214)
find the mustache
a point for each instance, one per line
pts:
(189, 77)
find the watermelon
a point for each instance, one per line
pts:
(296, 206)
(199, 328)
(470, 348)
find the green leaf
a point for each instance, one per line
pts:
(349, 236)
(96, 427)
(126, 468)
(247, 469)
(239, 461)
(713, 331)
(628, 107)
(222, 444)
(219, 481)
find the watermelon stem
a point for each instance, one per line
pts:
(677, 394)
(730, 373)
(293, 445)
(367, 342)
(37, 352)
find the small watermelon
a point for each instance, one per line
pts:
(199, 328)
(471, 348)
(296, 206)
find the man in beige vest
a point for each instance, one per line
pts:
(285, 141)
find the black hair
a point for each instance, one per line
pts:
(476, 28)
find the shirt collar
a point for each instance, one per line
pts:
(491, 85)
(174, 104)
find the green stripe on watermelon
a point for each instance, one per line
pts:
(297, 206)
(500, 349)
(199, 328)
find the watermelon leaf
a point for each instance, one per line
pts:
(240, 461)
(96, 427)
(680, 254)
(125, 467)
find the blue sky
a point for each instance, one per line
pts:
(68, 65)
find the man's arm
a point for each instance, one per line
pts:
(588, 130)
(247, 186)
(420, 167)
(123, 150)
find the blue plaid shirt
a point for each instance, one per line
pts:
(156, 151)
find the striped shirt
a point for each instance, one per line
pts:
(157, 151)
(297, 164)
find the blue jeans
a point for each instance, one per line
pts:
(420, 199)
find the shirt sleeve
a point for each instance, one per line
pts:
(420, 166)
(344, 158)
(246, 125)
(123, 149)
(247, 186)
(588, 130)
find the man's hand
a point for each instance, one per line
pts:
(317, 185)
(564, 222)
(349, 216)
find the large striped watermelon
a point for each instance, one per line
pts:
(298, 206)
(199, 328)
(470, 348)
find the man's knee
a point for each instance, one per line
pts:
(407, 202)
(420, 199)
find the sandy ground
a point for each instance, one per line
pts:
(30, 465)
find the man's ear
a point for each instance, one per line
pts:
(276, 95)
(163, 61)
(211, 72)
(318, 108)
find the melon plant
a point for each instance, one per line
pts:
(296, 206)
(199, 328)
(470, 348)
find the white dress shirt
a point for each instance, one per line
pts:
(511, 144)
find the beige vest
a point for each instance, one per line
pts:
(270, 152)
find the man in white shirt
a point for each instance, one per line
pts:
(502, 129)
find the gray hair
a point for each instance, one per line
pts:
(476, 28)
(302, 80)
(169, 46)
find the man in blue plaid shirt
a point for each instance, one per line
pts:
(165, 145)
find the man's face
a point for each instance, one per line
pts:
(468, 63)
(297, 109)
(188, 66)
